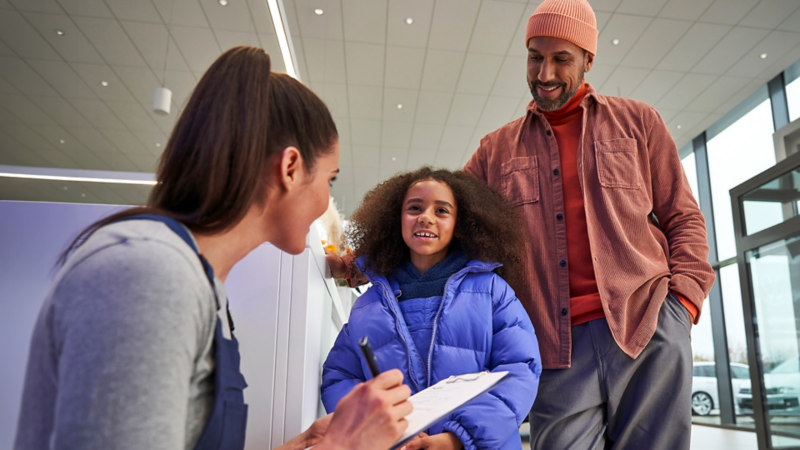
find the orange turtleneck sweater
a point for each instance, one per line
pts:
(585, 304)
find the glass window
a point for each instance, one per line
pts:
(791, 77)
(705, 403)
(737, 344)
(740, 372)
(740, 151)
(772, 203)
(690, 168)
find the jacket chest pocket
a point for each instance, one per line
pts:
(521, 180)
(617, 163)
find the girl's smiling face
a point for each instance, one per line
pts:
(428, 221)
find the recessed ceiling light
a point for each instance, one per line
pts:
(60, 32)
(615, 42)
(83, 195)
(104, 83)
(409, 20)
(318, 12)
(399, 106)
(223, 2)
(679, 127)
(763, 56)
(394, 158)
(66, 188)
(61, 141)
(158, 144)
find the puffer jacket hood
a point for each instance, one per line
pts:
(480, 326)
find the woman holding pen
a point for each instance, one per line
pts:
(134, 345)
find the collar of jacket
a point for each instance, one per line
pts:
(533, 110)
(474, 265)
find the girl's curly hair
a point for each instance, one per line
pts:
(487, 226)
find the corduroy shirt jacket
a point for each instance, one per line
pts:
(646, 233)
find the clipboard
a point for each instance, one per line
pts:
(444, 397)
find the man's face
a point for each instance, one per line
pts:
(555, 70)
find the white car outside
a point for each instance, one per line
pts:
(705, 392)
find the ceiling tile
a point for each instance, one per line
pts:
(58, 159)
(85, 8)
(335, 97)
(181, 12)
(28, 138)
(94, 140)
(235, 16)
(263, 19)
(404, 67)
(768, 13)
(495, 27)
(479, 73)
(364, 64)
(627, 29)
(60, 111)
(655, 42)
(701, 38)
(605, 5)
(685, 119)
(365, 133)
(433, 107)
(365, 20)
(23, 38)
(366, 155)
(426, 136)
(512, 78)
(728, 12)
(97, 113)
(325, 60)
(25, 110)
(466, 109)
(602, 19)
(151, 41)
(197, 45)
(419, 158)
(72, 46)
(518, 46)
(687, 89)
(110, 39)
(270, 45)
(729, 50)
(137, 11)
(48, 6)
(641, 7)
(414, 35)
(229, 39)
(684, 9)
(93, 75)
(775, 45)
(442, 69)
(150, 139)
(597, 76)
(453, 22)
(498, 111)
(717, 93)
(654, 87)
(7, 117)
(396, 134)
(118, 161)
(393, 158)
(64, 78)
(326, 26)
(792, 23)
(126, 142)
(449, 160)
(142, 84)
(623, 81)
(394, 97)
(366, 102)
(134, 116)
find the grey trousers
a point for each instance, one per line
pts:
(607, 400)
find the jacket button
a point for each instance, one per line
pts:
(562, 263)
(549, 132)
(559, 216)
(555, 172)
(564, 312)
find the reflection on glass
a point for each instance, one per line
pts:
(735, 155)
(772, 203)
(737, 343)
(775, 274)
(793, 98)
(690, 168)
(705, 393)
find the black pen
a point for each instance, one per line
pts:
(366, 350)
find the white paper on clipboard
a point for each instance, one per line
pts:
(432, 404)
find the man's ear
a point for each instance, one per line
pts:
(289, 167)
(588, 60)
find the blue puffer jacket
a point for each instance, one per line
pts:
(480, 326)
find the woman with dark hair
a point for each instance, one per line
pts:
(133, 347)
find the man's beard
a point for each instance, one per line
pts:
(546, 104)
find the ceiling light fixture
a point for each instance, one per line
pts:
(104, 83)
(223, 2)
(764, 56)
(318, 12)
(61, 141)
(394, 158)
(409, 20)
(679, 127)
(284, 39)
(158, 144)
(60, 32)
(615, 41)
(90, 176)
(399, 106)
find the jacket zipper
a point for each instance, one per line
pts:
(389, 300)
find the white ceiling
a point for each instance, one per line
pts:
(458, 71)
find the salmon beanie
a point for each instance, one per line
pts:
(571, 20)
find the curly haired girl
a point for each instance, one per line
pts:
(434, 244)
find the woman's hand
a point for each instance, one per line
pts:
(317, 430)
(336, 265)
(371, 416)
(442, 441)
